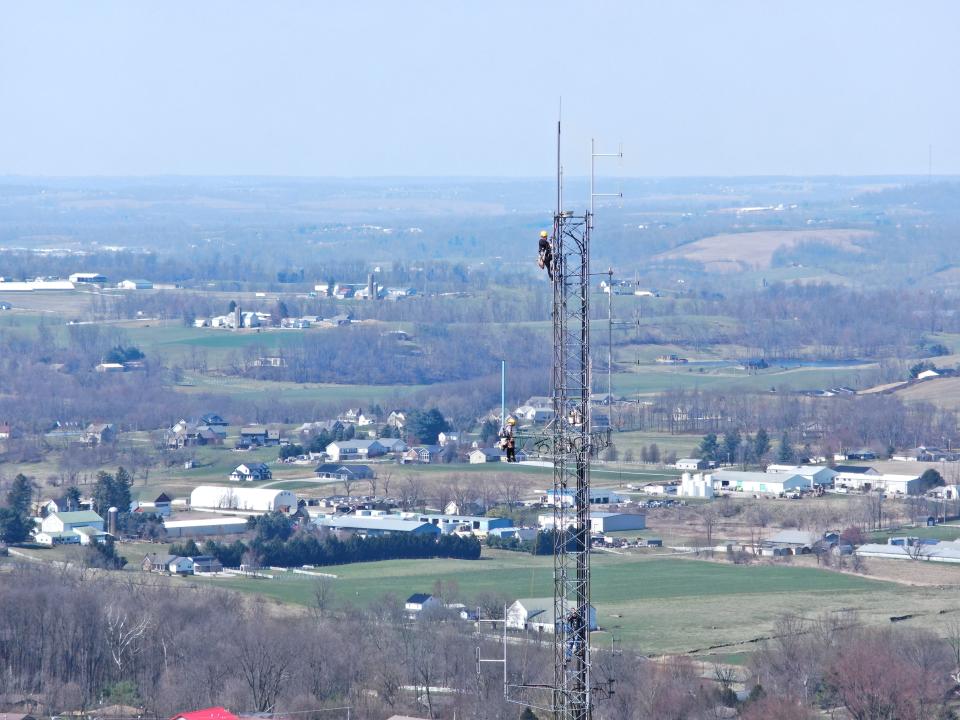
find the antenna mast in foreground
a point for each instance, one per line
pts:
(571, 442)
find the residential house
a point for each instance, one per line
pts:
(213, 420)
(331, 427)
(341, 450)
(393, 445)
(397, 419)
(485, 455)
(99, 433)
(538, 614)
(422, 454)
(258, 436)
(156, 563)
(5, 431)
(205, 564)
(351, 416)
(253, 471)
(60, 504)
(336, 471)
(448, 438)
(172, 564)
(184, 434)
(418, 602)
(536, 414)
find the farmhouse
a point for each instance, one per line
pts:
(418, 602)
(377, 525)
(758, 482)
(217, 497)
(253, 471)
(537, 614)
(160, 506)
(99, 433)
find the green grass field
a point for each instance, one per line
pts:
(650, 380)
(938, 532)
(658, 604)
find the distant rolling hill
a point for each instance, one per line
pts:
(736, 252)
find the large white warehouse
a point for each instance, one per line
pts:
(217, 497)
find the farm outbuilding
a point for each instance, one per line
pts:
(758, 482)
(201, 527)
(242, 498)
(538, 614)
(603, 522)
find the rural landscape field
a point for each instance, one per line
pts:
(439, 361)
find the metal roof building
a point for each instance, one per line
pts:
(222, 525)
(218, 497)
(377, 525)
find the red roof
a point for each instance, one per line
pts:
(213, 713)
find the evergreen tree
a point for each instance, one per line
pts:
(20, 495)
(731, 443)
(761, 445)
(786, 454)
(708, 447)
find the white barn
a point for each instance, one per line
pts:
(217, 497)
(537, 614)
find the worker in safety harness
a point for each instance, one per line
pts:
(574, 627)
(545, 259)
(508, 440)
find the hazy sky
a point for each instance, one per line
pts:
(356, 88)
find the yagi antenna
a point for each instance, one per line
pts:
(593, 162)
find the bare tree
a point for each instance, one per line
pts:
(323, 594)
(385, 477)
(125, 634)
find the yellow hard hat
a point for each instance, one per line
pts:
(543, 233)
(511, 421)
